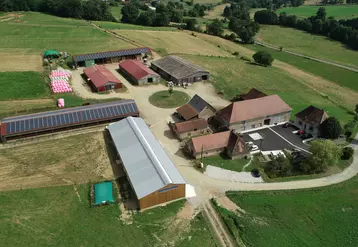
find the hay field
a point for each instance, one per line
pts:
(232, 76)
(337, 11)
(297, 218)
(177, 42)
(308, 44)
(216, 13)
(76, 159)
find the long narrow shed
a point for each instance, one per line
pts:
(51, 121)
(151, 173)
(101, 78)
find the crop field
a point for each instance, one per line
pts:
(308, 44)
(299, 218)
(22, 85)
(173, 42)
(232, 76)
(76, 159)
(61, 216)
(15, 107)
(338, 12)
(340, 76)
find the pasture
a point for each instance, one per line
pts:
(124, 26)
(232, 76)
(23, 85)
(16, 107)
(75, 159)
(216, 13)
(308, 44)
(337, 11)
(175, 42)
(294, 218)
(61, 216)
(116, 12)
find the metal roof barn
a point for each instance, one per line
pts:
(102, 79)
(53, 120)
(147, 165)
(108, 54)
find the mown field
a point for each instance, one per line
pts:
(224, 162)
(340, 76)
(116, 12)
(23, 85)
(323, 216)
(179, 42)
(60, 216)
(308, 44)
(338, 11)
(232, 76)
(216, 12)
(120, 26)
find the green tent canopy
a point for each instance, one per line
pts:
(51, 54)
(103, 193)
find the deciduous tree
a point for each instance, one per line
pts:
(331, 128)
(263, 58)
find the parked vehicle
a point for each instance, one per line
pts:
(254, 148)
(286, 125)
(255, 173)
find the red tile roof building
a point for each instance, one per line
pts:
(101, 78)
(137, 72)
(190, 128)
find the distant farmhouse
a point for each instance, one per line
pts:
(197, 107)
(137, 72)
(86, 60)
(252, 94)
(254, 113)
(101, 79)
(178, 70)
(151, 173)
(190, 128)
(209, 145)
(310, 120)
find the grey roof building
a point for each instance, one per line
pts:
(197, 107)
(152, 175)
(179, 70)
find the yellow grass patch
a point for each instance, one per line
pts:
(174, 42)
(17, 62)
(216, 12)
(12, 107)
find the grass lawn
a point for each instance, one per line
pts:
(116, 12)
(217, 12)
(17, 107)
(175, 42)
(338, 11)
(299, 218)
(225, 163)
(232, 76)
(119, 26)
(22, 85)
(308, 44)
(162, 99)
(79, 159)
(57, 216)
(342, 77)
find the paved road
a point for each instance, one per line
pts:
(308, 57)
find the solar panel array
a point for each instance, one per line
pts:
(120, 53)
(68, 117)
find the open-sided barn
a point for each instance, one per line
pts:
(101, 78)
(51, 121)
(178, 70)
(151, 173)
(109, 56)
(137, 72)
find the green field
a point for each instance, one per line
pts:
(119, 26)
(340, 76)
(22, 85)
(308, 44)
(163, 99)
(116, 12)
(232, 76)
(225, 163)
(56, 216)
(338, 12)
(299, 218)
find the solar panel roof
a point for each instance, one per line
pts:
(70, 116)
(119, 53)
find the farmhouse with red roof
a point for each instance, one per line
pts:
(137, 72)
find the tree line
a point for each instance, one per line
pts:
(137, 12)
(274, 4)
(343, 31)
(81, 9)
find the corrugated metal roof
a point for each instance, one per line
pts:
(100, 75)
(108, 54)
(148, 166)
(137, 69)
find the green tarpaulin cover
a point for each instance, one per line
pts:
(50, 53)
(103, 193)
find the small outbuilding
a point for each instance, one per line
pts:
(101, 79)
(137, 72)
(51, 54)
(178, 70)
(190, 128)
(310, 120)
(197, 107)
(151, 173)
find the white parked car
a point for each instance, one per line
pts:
(254, 148)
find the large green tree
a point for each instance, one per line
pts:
(263, 58)
(215, 28)
(278, 167)
(330, 128)
(130, 13)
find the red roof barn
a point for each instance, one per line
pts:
(137, 72)
(101, 78)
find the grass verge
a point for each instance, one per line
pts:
(224, 162)
(163, 99)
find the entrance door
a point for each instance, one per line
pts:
(267, 121)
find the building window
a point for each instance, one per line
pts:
(253, 126)
(243, 122)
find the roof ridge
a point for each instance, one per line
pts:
(159, 167)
